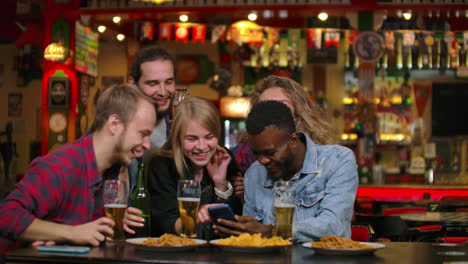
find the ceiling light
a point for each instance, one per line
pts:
(252, 16)
(120, 37)
(283, 13)
(267, 14)
(101, 29)
(323, 16)
(183, 18)
(407, 15)
(116, 19)
(398, 13)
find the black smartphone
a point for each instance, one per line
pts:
(222, 211)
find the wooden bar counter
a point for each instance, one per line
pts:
(394, 252)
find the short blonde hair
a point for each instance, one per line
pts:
(121, 100)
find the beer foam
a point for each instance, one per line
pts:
(114, 205)
(188, 199)
(284, 205)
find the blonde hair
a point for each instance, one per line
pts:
(121, 100)
(309, 117)
(195, 109)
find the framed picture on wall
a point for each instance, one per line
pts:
(15, 104)
(59, 91)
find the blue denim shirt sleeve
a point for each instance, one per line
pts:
(334, 208)
(326, 188)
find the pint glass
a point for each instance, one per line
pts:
(181, 93)
(115, 197)
(188, 198)
(284, 203)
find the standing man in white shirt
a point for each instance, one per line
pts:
(152, 70)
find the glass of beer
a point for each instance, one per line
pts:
(115, 197)
(188, 198)
(181, 93)
(285, 204)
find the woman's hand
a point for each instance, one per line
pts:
(217, 168)
(204, 215)
(237, 182)
(132, 219)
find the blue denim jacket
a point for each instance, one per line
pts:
(326, 187)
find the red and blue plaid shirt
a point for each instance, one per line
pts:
(59, 187)
(244, 156)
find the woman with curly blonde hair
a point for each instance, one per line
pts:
(309, 116)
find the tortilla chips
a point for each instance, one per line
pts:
(339, 242)
(255, 240)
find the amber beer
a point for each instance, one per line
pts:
(188, 208)
(116, 212)
(284, 215)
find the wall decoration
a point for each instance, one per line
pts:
(15, 104)
(2, 72)
(193, 68)
(86, 49)
(59, 91)
(108, 81)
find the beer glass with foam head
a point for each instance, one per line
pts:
(115, 197)
(188, 198)
(284, 200)
(181, 93)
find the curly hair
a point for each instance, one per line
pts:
(270, 113)
(309, 116)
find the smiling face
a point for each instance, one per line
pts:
(198, 144)
(157, 81)
(272, 149)
(134, 137)
(277, 94)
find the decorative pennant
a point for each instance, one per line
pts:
(199, 33)
(218, 33)
(310, 38)
(147, 31)
(272, 36)
(408, 39)
(165, 31)
(465, 40)
(332, 38)
(421, 95)
(181, 32)
(294, 35)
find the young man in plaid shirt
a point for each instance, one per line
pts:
(60, 197)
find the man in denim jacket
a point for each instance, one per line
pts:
(325, 176)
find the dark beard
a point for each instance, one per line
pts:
(162, 115)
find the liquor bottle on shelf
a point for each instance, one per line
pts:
(365, 175)
(141, 200)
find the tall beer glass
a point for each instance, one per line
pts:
(115, 203)
(188, 197)
(285, 204)
(181, 93)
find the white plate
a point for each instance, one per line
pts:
(137, 240)
(247, 249)
(343, 251)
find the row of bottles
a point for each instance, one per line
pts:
(427, 50)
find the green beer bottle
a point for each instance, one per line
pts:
(141, 200)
